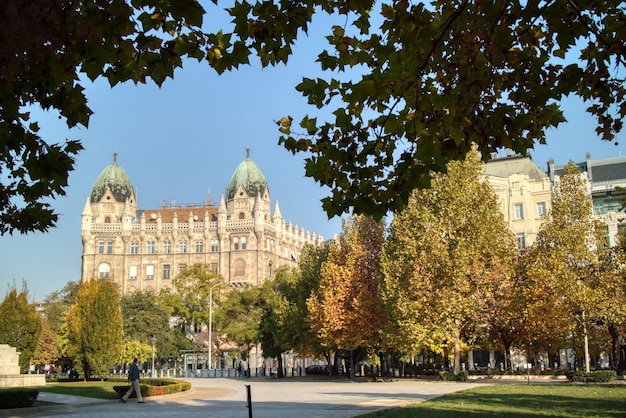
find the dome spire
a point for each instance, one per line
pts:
(249, 176)
(115, 179)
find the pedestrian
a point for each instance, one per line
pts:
(133, 377)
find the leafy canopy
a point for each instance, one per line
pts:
(412, 85)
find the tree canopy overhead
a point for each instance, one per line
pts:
(410, 85)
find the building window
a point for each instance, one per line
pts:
(199, 246)
(214, 246)
(149, 272)
(243, 243)
(104, 271)
(167, 247)
(235, 243)
(518, 211)
(214, 268)
(521, 240)
(182, 247)
(134, 247)
(182, 268)
(270, 270)
(107, 219)
(100, 247)
(109, 247)
(166, 271)
(150, 247)
(241, 215)
(133, 273)
(541, 209)
(240, 268)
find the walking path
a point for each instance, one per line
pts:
(271, 398)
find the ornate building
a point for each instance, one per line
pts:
(524, 192)
(141, 249)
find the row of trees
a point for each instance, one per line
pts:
(444, 273)
(447, 273)
(89, 327)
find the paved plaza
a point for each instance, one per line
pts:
(271, 398)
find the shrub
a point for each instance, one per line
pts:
(601, 376)
(597, 376)
(17, 397)
(155, 387)
(451, 377)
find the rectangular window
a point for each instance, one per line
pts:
(243, 243)
(134, 248)
(133, 273)
(214, 268)
(109, 247)
(541, 209)
(167, 247)
(150, 247)
(214, 246)
(182, 268)
(182, 247)
(521, 240)
(100, 247)
(166, 271)
(518, 211)
(235, 243)
(149, 272)
(199, 246)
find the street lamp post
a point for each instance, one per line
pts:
(154, 340)
(211, 321)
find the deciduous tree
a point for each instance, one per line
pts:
(48, 350)
(441, 257)
(194, 285)
(94, 328)
(569, 258)
(346, 312)
(20, 324)
(145, 317)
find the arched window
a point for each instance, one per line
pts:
(240, 268)
(104, 271)
(270, 269)
(241, 215)
(107, 220)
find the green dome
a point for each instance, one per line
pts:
(248, 175)
(114, 177)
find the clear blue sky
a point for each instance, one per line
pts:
(180, 141)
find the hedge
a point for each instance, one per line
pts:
(597, 376)
(155, 387)
(17, 397)
(451, 377)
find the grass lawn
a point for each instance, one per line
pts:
(559, 400)
(101, 390)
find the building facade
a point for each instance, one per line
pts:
(144, 249)
(524, 192)
(607, 181)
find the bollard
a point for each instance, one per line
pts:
(249, 399)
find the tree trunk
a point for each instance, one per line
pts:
(586, 343)
(457, 350)
(280, 366)
(614, 357)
